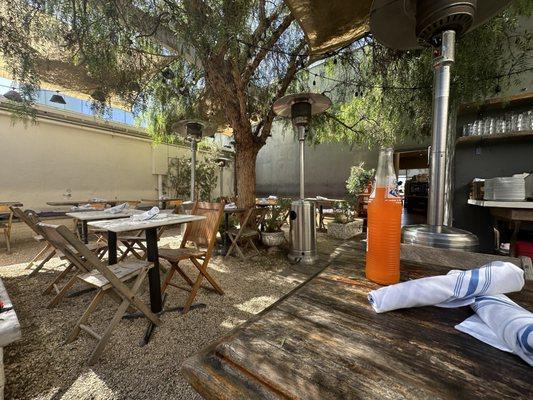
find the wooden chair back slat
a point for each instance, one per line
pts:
(29, 217)
(52, 236)
(203, 233)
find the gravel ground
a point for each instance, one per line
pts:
(41, 366)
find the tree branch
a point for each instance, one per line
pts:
(294, 66)
(263, 51)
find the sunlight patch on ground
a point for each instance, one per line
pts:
(89, 386)
(257, 304)
(231, 322)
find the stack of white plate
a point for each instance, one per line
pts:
(515, 188)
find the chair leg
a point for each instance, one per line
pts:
(116, 319)
(241, 254)
(58, 278)
(76, 331)
(7, 235)
(231, 247)
(192, 294)
(42, 264)
(37, 256)
(168, 278)
(184, 275)
(57, 298)
(251, 241)
(202, 268)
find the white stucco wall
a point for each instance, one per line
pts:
(44, 161)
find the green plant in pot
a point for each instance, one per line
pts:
(359, 180)
(273, 236)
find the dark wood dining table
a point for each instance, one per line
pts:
(324, 341)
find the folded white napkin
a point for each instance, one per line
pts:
(82, 207)
(230, 206)
(456, 289)
(503, 324)
(117, 209)
(145, 216)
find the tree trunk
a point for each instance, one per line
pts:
(245, 175)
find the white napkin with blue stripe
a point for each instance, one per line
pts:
(117, 209)
(501, 323)
(456, 289)
(145, 216)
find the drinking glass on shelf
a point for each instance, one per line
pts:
(528, 120)
(520, 122)
(499, 125)
(512, 122)
(488, 126)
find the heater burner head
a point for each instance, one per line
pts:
(408, 24)
(192, 129)
(301, 106)
(436, 16)
(301, 113)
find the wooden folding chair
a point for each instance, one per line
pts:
(108, 280)
(203, 235)
(98, 249)
(30, 218)
(134, 242)
(248, 231)
(6, 225)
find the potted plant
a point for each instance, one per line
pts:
(273, 236)
(345, 225)
(359, 187)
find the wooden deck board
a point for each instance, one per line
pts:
(324, 341)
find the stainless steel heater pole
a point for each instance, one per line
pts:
(193, 167)
(441, 98)
(301, 139)
(221, 181)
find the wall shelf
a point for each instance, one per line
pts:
(517, 100)
(512, 136)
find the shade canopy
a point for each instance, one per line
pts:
(331, 25)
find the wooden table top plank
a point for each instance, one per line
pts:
(98, 215)
(125, 225)
(325, 341)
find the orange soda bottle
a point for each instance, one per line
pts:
(384, 224)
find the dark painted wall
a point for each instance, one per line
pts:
(485, 160)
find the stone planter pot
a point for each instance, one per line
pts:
(272, 239)
(345, 231)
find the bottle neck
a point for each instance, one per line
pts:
(385, 170)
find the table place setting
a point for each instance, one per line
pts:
(497, 320)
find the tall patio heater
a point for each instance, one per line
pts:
(407, 24)
(300, 108)
(192, 130)
(222, 163)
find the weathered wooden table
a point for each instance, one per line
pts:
(324, 341)
(86, 216)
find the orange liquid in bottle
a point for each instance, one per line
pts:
(384, 236)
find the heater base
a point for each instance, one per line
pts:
(302, 257)
(443, 237)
